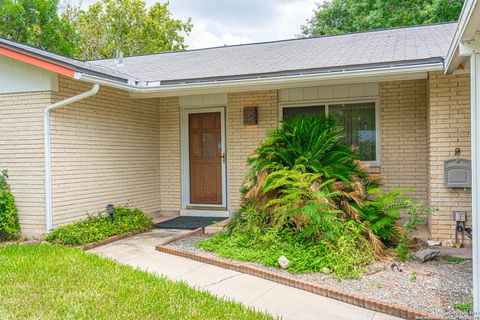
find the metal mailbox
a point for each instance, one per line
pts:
(458, 173)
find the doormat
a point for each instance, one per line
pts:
(188, 223)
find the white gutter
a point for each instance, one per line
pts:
(273, 81)
(48, 149)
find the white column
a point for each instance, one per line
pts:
(475, 136)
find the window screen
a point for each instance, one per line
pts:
(303, 111)
(358, 121)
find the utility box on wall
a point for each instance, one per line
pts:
(458, 173)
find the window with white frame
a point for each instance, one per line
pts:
(359, 121)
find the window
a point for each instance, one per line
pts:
(358, 121)
(304, 111)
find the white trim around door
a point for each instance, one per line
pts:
(188, 208)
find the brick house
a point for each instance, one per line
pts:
(170, 133)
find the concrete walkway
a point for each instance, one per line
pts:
(277, 299)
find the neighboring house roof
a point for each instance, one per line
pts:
(388, 48)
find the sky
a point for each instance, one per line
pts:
(228, 22)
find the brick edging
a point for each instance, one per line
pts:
(340, 295)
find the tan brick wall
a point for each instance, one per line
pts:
(243, 139)
(403, 135)
(105, 149)
(21, 153)
(449, 128)
(170, 163)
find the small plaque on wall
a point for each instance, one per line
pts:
(250, 116)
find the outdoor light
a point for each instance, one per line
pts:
(250, 116)
(111, 211)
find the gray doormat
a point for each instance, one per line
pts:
(188, 223)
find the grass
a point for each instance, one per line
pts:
(453, 259)
(54, 282)
(100, 227)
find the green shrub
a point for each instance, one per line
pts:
(384, 211)
(414, 215)
(100, 227)
(9, 224)
(302, 178)
(306, 196)
(346, 256)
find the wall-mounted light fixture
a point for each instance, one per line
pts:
(250, 116)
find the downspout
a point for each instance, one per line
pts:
(48, 149)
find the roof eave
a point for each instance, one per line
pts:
(57, 66)
(370, 74)
(468, 23)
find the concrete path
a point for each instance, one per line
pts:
(277, 299)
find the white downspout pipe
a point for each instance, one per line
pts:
(48, 149)
(475, 136)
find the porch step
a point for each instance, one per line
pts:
(217, 227)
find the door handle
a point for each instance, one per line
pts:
(223, 156)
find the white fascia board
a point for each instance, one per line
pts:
(417, 71)
(467, 26)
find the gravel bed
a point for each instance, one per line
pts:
(432, 287)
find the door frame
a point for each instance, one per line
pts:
(185, 159)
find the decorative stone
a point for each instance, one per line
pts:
(283, 262)
(325, 270)
(425, 255)
(396, 267)
(434, 243)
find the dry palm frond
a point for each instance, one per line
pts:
(376, 244)
(358, 187)
(399, 229)
(350, 210)
(254, 191)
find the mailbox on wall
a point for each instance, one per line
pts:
(458, 173)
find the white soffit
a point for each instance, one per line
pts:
(16, 76)
(324, 93)
(203, 100)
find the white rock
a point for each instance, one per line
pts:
(325, 270)
(434, 243)
(283, 262)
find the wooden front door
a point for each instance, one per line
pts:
(205, 152)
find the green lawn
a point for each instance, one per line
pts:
(54, 282)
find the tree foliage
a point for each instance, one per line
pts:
(125, 25)
(37, 23)
(343, 16)
(97, 32)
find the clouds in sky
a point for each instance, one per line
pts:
(220, 22)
